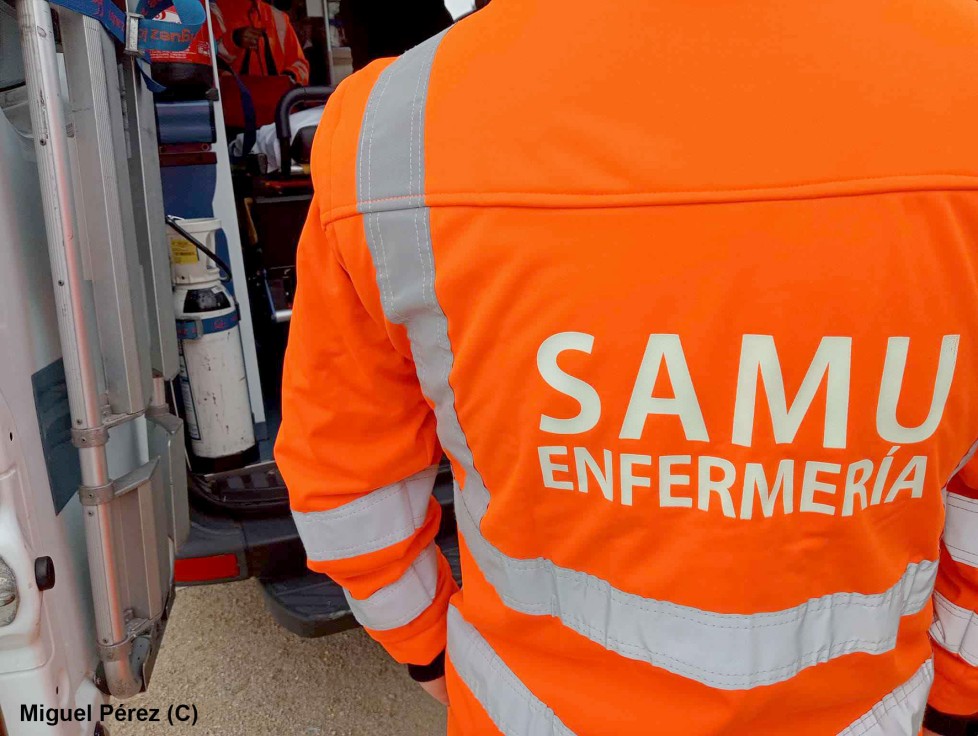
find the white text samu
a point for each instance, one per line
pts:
(750, 489)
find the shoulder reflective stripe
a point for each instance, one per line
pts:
(390, 182)
(956, 629)
(403, 600)
(961, 529)
(390, 160)
(381, 518)
(512, 707)
(724, 651)
(901, 713)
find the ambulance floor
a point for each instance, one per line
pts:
(248, 677)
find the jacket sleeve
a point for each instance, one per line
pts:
(218, 27)
(295, 59)
(955, 627)
(358, 450)
(226, 48)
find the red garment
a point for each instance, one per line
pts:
(283, 45)
(199, 50)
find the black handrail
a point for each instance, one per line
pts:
(283, 125)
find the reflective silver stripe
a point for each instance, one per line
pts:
(722, 650)
(726, 651)
(518, 712)
(901, 713)
(964, 461)
(956, 629)
(512, 707)
(280, 27)
(377, 520)
(390, 160)
(961, 528)
(403, 600)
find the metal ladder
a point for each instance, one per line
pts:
(99, 169)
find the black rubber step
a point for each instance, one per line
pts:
(311, 604)
(259, 490)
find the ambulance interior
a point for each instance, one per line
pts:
(237, 149)
(260, 128)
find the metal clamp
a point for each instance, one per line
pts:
(155, 410)
(100, 495)
(94, 437)
(96, 495)
(82, 437)
(115, 652)
(139, 648)
(132, 34)
(135, 627)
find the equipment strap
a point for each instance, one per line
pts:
(247, 109)
(150, 34)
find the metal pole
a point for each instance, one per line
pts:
(330, 61)
(51, 146)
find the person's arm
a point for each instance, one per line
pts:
(226, 49)
(357, 447)
(954, 696)
(295, 63)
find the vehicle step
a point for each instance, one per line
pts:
(259, 490)
(311, 604)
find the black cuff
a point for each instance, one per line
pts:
(428, 672)
(947, 725)
(236, 36)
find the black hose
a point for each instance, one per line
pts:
(175, 224)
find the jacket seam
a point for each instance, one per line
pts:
(635, 200)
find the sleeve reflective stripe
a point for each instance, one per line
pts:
(403, 600)
(956, 629)
(721, 650)
(511, 705)
(961, 529)
(377, 520)
(516, 711)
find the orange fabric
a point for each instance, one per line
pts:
(776, 168)
(955, 690)
(420, 641)
(283, 43)
(597, 694)
(323, 453)
(465, 715)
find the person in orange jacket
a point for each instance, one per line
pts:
(695, 324)
(256, 38)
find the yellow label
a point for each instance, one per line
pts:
(183, 251)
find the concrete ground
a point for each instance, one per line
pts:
(249, 677)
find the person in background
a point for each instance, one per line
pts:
(312, 36)
(258, 39)
(378, 28)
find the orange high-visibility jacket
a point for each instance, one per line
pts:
(283, 45)
(688, 294)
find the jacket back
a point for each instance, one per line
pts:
(689, 294)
